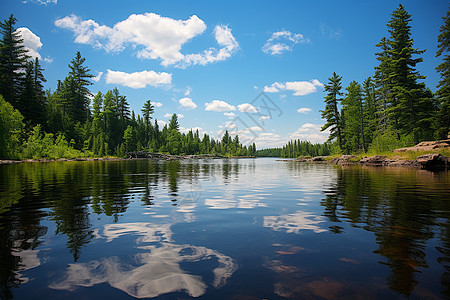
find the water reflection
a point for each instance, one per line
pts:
(154, 271)
(403, 208)
(151, 228)
(294, 223)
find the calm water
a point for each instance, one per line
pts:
(222, 229)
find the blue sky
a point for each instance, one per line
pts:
(209, 61)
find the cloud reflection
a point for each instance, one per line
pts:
(154, 271)
(295, 222)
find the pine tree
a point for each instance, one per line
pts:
(147, 111)
(173, 123)
(32, 98)
(443, 94)
(411, 105)
(13, 59)
(354, 121)
(77, 88)
(370, 110)
(331, 112)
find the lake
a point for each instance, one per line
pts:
(222, 229)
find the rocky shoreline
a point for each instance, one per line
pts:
(431, 161)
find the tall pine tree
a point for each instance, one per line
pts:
(13, 59)
(443, 94)
(331, 112)
(411, 104)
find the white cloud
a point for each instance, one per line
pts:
(304, 110)
(282, 41)
(31, 42)
(219, 106)
(48, 60)
(97, 78)
(262, 118)
(310, 132)
(300, 88)
(230, 115)
(224, 38)
(138, 80)
(157, 104)
(169, 115)
(161, 123)
(44, 2)
(188, 91)
(247, 107)
(193, 129)
(187, 103)
(153, 36)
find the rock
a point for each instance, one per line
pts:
(433, 161)
(377, 160)
(344, 160)
(426, 146)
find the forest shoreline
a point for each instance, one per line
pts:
(131, 156)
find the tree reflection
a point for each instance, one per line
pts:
(391, 204)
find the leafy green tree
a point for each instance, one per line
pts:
(11, 127)
(331, 112)
(443, 94)
(13, 59)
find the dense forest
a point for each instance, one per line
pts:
(295, 149)
(35, 123)
(392, 108)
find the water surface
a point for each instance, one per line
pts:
(222, 229)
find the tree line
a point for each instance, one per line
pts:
(392, 108)
(296, 148)
(38, 123)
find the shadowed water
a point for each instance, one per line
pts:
(222, 229)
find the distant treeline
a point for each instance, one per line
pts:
(43, 124)
(296, 148)
(392, 108)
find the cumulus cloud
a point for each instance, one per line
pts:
(193, 129)
(153, 36)
(310, 132)
(219, 106)
(247, 107)
(187, 103)
(31, 42)
(304, 110)
(188, 91)
(230, 115)
(138, 80)
(300, 88)
(97, 78)
(157, 104)
(161, 123)
(169, 115)
(282, 41)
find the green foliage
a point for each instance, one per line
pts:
(11, 127)
(43, 145)
(388, 141)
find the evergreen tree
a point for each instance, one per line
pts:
(411, 104)
(370, 110)
(32, 98)
(147, 111)
(331, 112)
(354, 121)
(13, 59)
(77, 88)
(443, 94)
(173, 123)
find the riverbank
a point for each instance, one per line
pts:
(425, 155)
(130, 155)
